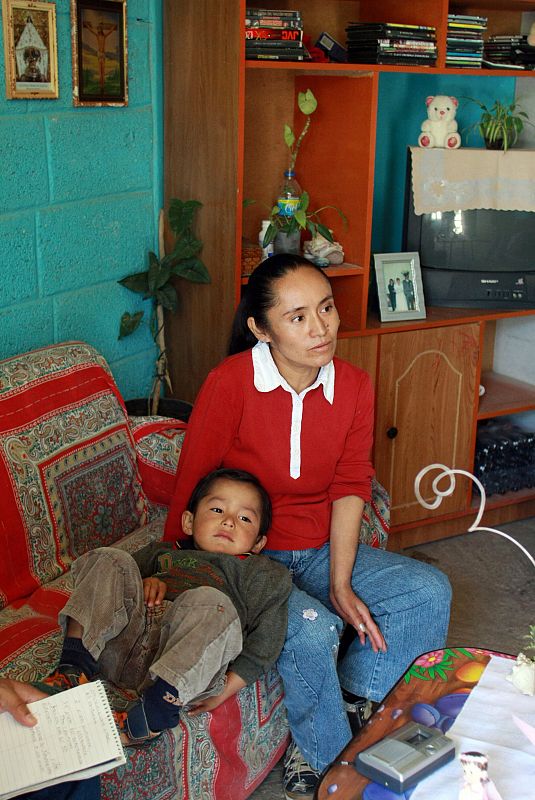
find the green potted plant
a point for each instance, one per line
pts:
(156, 284)
(291, 215)
(302, 219)
(500, 125)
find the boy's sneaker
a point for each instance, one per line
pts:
(66, 676)
(358, 710)
(300, 780)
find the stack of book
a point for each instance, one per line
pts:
(509, 52)
(464, 44)
(274, 34)
(391, 43)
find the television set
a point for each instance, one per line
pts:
(481, 258)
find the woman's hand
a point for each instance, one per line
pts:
(154, 591)
(356, 613)
(13, 698)
(233, 684)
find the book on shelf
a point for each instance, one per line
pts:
(75, 738)
(274, 34)
(272, 12)
(263, 56)
(272, 22)
(276, 44)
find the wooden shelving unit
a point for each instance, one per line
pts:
(223, 132)
(504, 395)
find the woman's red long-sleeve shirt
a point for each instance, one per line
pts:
(235, 425)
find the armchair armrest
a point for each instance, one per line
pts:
(376, 517)
(158, 442)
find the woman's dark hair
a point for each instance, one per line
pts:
(205, 484)
(259, 296)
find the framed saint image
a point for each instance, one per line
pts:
(99, 53)
(399, 286)
(30, 49)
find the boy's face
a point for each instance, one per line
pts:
(227, 519)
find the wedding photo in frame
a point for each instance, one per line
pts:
(399, 286)
(30, 49)
(99, 53)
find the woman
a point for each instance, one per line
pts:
(283, 408)
(401, 300)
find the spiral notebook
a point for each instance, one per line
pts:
(75, 738)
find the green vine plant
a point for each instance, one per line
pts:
(157, 285)
(307, 105)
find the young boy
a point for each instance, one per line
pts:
(224, 626)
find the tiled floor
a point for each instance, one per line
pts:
(493, 598)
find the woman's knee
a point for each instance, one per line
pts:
(312, 627)
(428, 586)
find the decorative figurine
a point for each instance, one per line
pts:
(523, 674)
(323, 252)
(477, 784)
(440, 127)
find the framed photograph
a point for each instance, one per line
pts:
(30, 49)
(99, 53)
(399, 286)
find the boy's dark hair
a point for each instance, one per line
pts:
(205, 484)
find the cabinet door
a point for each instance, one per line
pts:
(426, 395)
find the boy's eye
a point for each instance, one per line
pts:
(329, 307)
(298, 318)
(217, 510)
(244, 518)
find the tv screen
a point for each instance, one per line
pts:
(481, 239)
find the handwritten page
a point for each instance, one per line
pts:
(75, 737)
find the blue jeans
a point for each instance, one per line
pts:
(410, 602)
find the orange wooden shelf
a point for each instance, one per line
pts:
(504, 395)
(439, 317)
(319, 68)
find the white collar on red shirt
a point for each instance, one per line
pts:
(267, 377)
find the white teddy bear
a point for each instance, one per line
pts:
(440, 128)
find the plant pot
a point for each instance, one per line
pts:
(287, 242)
(167, 407)
(497, 144)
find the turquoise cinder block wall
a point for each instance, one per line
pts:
(401, 111)
(80, 190)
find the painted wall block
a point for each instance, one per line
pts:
(24, 173)
(85, 243)
(93, 315)
(101, 153)
(134, 374)
(18, 258)
(25, 326)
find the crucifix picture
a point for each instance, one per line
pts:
(99, 52)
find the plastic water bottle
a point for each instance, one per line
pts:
(288, 195)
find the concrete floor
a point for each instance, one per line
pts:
(493, 598)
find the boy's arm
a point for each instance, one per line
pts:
(147, 557)
(265, 593)
(233, 685)
(266, 589)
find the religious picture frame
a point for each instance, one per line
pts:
(30, 49)
(399, 286)
(99, 53)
